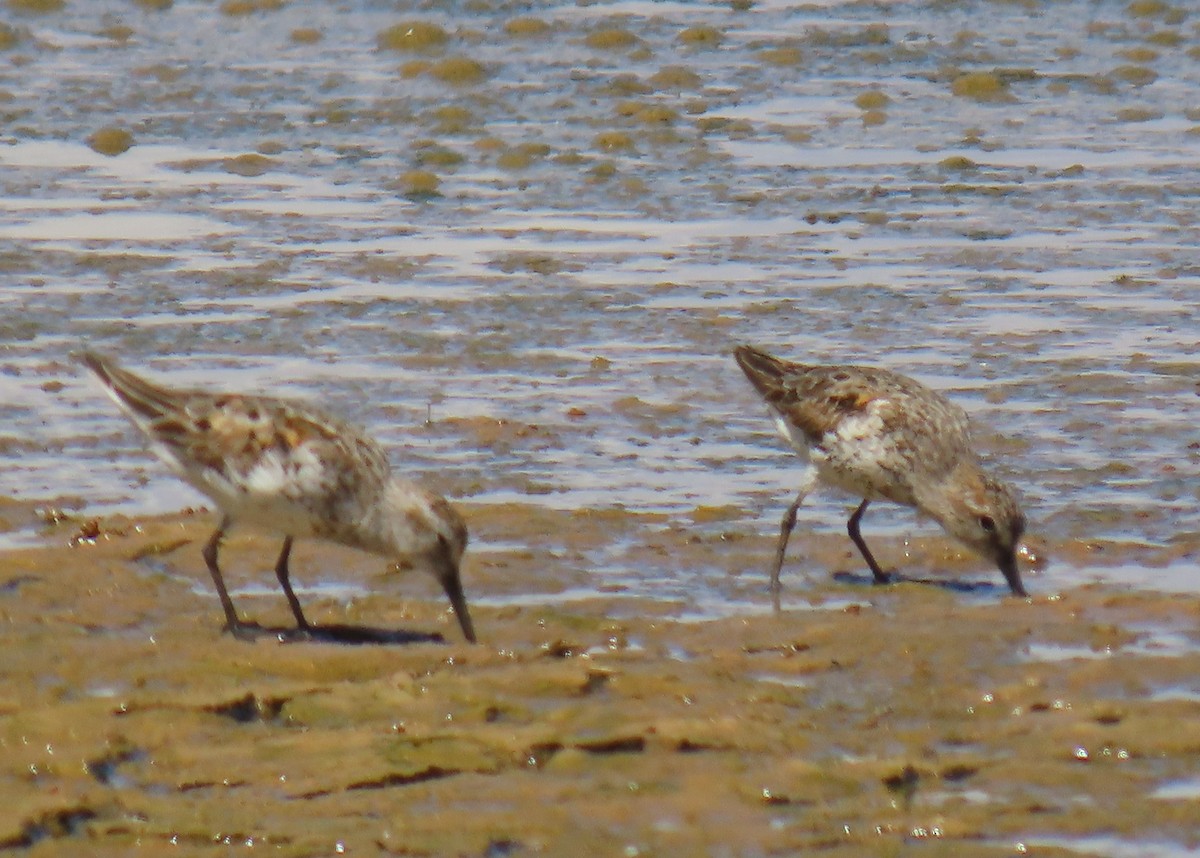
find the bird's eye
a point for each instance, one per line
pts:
(987, 523)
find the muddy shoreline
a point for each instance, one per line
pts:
(859, 721)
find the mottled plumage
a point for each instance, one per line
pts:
(290, 468)
(882, 436)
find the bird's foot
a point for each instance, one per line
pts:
(300, 634)
(244, 631)
(251, 632)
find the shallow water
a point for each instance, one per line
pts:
(610, 222)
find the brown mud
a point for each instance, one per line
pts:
(910, 719)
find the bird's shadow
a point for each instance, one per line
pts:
(338, 633)
(953, 585)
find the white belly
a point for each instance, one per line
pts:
(289, 497)
(860, 457)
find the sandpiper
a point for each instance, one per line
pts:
(290, 468)
(880, 435)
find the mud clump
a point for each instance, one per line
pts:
(611, 39)
(459, 71)
(981, 86)
(110, 141)
(418, 184)
(412, 36)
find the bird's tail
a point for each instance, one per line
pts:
(764, 371)
(138, 398)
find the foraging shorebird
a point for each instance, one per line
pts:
(880, 435)
(290, 468)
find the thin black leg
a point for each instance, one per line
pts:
(785, 531)
(852, 526)
(281, 572)
(232, 624)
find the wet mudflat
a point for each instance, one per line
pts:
(518, 242)
(860, 721)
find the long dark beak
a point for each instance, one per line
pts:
(1008, 565)
(453, 587)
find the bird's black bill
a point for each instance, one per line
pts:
(453, 588)
(1013, 575)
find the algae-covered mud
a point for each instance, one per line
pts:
(519, 242)
(859, 721)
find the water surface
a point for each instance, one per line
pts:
(610, 220)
